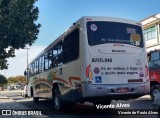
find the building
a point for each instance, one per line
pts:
(151, 27)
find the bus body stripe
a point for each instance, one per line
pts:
(70, 80)
(74, 78)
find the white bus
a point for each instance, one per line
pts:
(98, 59)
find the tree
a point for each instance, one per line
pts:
(17, 79)
(17, 27)
(21, 79)
(12, 80)
(3, 80)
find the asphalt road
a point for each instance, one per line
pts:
(141, 105)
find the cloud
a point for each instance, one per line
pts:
(18, 64)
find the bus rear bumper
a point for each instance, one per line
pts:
(112, 90)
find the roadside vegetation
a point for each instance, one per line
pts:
(17, 82)
(18, 27)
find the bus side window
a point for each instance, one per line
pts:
(50, 59)
(37, 66)
(43, 64)
(46, 62)
(59, 56)
(40, 65)
(71, 46)
(33, 68)
(54, 58)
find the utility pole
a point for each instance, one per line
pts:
(27, 65)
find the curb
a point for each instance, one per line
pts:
(4, 99)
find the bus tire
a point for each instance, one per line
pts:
(35, 99)
(31, 92)
(154, 91)
(57, 102)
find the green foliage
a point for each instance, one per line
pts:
(3, 80)
(21, 79)
(11, 80)
(17, 27)
(3, 64)
(17, 79)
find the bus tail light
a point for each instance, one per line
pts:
(89, 72)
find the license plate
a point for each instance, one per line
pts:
(122, 90)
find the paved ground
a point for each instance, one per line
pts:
(7, 103)
(14, 100)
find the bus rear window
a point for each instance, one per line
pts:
(101, 32)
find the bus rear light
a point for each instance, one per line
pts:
(146, 71)
(89, 72)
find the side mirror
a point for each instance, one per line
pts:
(25, 73)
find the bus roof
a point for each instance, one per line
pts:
(113, 19)
(85, 19)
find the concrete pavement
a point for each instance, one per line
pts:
(8, 104)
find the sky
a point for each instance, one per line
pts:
(55, 16)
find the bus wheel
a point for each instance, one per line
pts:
(35, 99)
(154, 91)
(57, 99)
